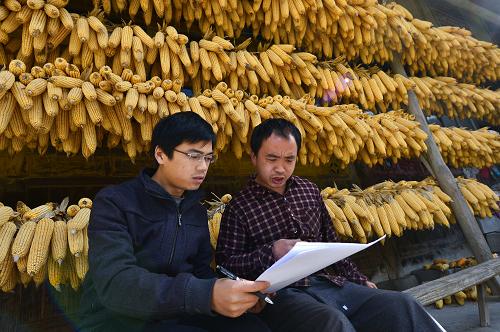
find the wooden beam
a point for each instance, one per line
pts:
(448, 184)
(432, 291)
(484, 314)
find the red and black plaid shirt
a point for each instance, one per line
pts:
(257, 217)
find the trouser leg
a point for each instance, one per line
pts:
(244, 323)
(375, 310)
(296, 311)
(388, 311)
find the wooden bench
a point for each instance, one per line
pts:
(432, 291)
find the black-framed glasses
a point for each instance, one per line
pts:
(197, 157)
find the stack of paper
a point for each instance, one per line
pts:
(306, 258)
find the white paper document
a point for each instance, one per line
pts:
(306, 258)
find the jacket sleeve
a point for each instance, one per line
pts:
(232, 247)
(344, 267)
(124, 287)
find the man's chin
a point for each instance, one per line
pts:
(194, 186)
(275, 186)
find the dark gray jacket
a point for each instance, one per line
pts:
(149, 259)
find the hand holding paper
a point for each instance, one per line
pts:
(306, 258)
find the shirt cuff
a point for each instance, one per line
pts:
(359, 279)
(266, 257)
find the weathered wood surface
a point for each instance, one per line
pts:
(434, 290)
(484, 313)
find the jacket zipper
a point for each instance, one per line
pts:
(179, 223)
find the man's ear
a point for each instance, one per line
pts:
(159, 155)
(253, 158)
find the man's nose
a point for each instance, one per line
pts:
(280, 167)
(202, 165)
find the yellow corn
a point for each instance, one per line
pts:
(7, 232)
(79, 221)
(55, 274)
(59, 243)
(40, 246)
(38, 211)
(81, 266)
(22, 242)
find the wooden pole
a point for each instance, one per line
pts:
(447, 182)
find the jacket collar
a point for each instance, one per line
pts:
(153, 188)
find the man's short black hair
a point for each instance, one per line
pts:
(280, 127)
(179, 128)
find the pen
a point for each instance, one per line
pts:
(232, 276)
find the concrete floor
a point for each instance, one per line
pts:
(455, 318)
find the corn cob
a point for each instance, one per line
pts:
(22, 242)
(40, 277)
(85, 203)
(59, 241)
(54, 272)
(7, 107)
(7, 232)
(81, 266)
(79, 221)
(40, 246)
(38, 211)
(73, 277)
(6, 270)
(75, 242)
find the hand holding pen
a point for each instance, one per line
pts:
(232, 298)
(232, 276)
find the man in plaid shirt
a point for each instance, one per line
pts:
(273, 212)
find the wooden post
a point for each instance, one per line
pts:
(448, 184)
(484, 314)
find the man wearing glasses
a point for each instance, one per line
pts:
(150, 249)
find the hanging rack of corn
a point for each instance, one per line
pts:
(363, 29)
(49, 241)
(80, 111)
(34, 32)
(215, 211)
(330, 84)
(274, 70)
(389, 208)
(87, 43)
(130, 46)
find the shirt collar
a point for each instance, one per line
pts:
(260, 191)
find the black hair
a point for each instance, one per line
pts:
(280, 127)
(179, 128)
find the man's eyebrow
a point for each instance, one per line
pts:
(272, 155)
(276, 156)
(199, 151)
